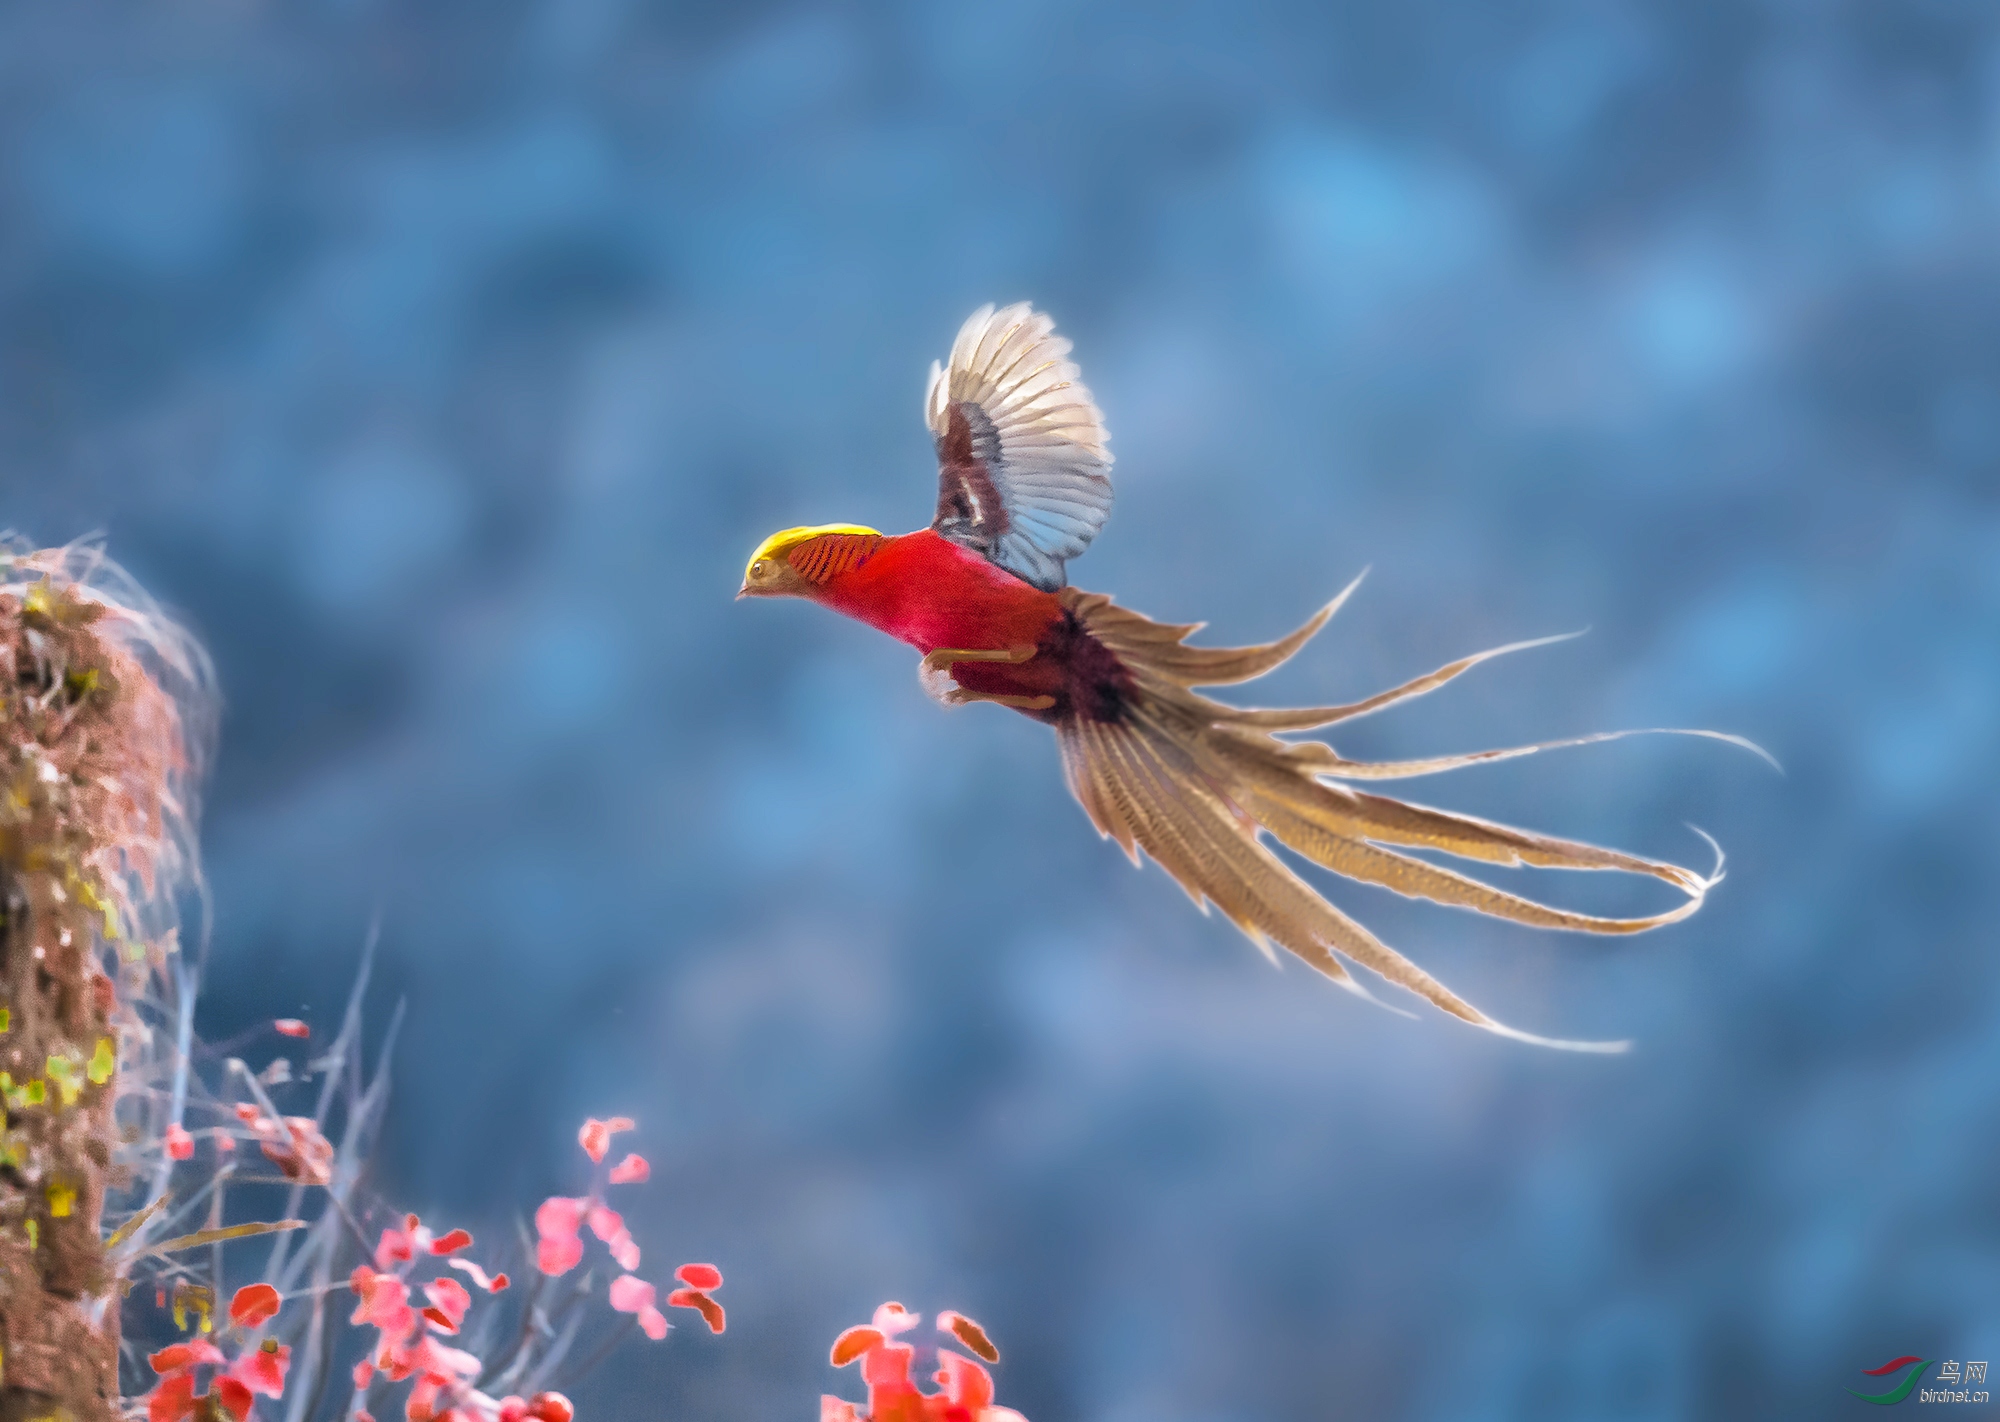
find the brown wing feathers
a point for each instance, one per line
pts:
(1193, 782)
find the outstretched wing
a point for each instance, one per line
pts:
(1024, 478)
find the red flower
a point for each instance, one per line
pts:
(699, 1276)
(254, 1304)
(180, 1145)
(292, 1027)
(452, 1242)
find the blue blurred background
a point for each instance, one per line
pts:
(444, 361)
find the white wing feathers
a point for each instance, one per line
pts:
(1024, 475)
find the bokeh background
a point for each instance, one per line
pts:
(443, 362)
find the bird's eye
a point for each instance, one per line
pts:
(759, 568)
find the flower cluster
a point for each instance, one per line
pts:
(259, 1366)
(407, 1343)
(965, 1389)
(559, 1239)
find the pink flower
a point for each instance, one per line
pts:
(385, 1302)
(630, 1171)
(292, 1027)
(396, 1248)
(449, 1301)
(653, 1323)
(595, 1137)
(180, 1145)
(629, 1295)
(493, 1285)
(624, 1250)
(262, 1369)
(559, 1250)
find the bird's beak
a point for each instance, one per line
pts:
(743, 592)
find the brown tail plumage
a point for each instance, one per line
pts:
(1194, 782)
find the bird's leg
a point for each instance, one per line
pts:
(943, 657)
(959, 696)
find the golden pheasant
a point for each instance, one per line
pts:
(1024, 484)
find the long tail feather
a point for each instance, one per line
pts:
(1311, 718)
(1197, 785)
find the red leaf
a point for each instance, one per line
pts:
(968, 1333)
(171, 1400)
(262, 1369)
(292, 1027)
(492, 1285)
(234, 1396)
(550, 1407)
(194, 1353)
(630, 1170)
(966, 1384)
(453, 1242)
(706, 1306)
(699, 1276)
(853, 1343)
(254, 1304)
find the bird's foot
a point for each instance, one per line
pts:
(943, 657)
(959, 696)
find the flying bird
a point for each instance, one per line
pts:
(1024, 485)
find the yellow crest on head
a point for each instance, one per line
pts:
(781, 543)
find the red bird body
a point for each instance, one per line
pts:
(931, 593)
(1024, 485)
(936, 594)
